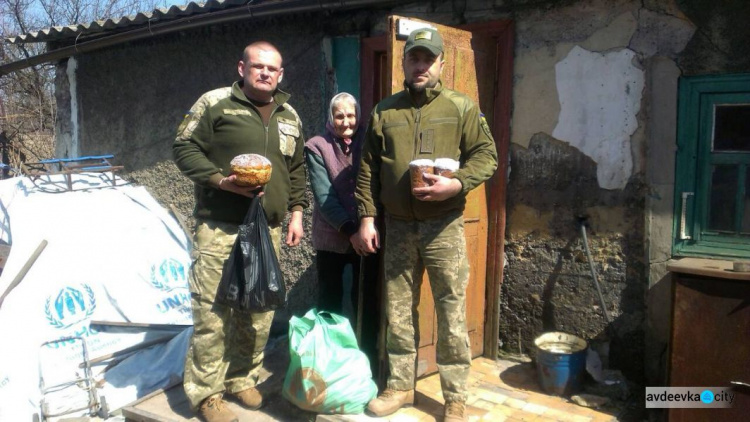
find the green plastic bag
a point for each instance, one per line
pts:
(327, 372)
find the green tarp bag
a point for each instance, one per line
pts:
(327, 372)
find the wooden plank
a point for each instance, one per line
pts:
(718, 268)
(171, 404)
(140, 325)
(131, 349)
(25, 269)
(164, 405)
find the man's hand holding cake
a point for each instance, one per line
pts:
(250, 172)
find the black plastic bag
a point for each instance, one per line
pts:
(252, 278)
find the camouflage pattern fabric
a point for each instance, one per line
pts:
(437, 245)
(190, 122)
(226, 349)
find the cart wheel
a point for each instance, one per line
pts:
(103, 408)
(35, 418)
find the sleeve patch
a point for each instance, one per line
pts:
(188, 125)
(484, 125)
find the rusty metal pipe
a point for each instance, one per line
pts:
(593, 272)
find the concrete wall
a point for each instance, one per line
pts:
(593, 141)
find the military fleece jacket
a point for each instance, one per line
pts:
(222, 124)
(447, 125)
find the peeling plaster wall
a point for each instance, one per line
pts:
(582, 138)
(571, 146)
(600, 97)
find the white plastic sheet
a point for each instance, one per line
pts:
(113, 254)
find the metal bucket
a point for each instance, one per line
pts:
(560, 362)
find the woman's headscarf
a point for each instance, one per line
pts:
(335, 101)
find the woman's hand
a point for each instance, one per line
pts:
(295, 231)
(367, 240)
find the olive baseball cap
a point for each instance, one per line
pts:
(427, 38)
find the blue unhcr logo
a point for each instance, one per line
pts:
(171, 274)
(70, 306)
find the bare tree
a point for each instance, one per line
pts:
(27, 101)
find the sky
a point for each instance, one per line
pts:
(36, 19)
(35, 6)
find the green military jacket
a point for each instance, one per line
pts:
(222, 124)
(448, 125)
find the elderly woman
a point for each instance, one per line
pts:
(332, 163)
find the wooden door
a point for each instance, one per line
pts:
(709, 347)
(468, 60)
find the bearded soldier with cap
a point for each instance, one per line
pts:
(424, 225)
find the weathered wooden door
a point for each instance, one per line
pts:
(470, 69)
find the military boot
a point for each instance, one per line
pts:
(214, 409)
(390, 401)
(249, 398)
(455, 411)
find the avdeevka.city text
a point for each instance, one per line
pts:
(664, 396)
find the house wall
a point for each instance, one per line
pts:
(593, 141)
(587, 75)
(593, 138)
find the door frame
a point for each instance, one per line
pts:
(496, 186)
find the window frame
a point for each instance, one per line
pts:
(698, 96)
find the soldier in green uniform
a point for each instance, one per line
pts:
(424, 225)
(251, 116)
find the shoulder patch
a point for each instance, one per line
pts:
(209, 99)
(484, 125)
(293, 111)
(213, 97)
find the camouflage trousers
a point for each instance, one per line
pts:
(437, 245)
(226, 349)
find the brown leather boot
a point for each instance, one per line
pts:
(390, 401)
(455, 411)
(213, 409)
(249, 398)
